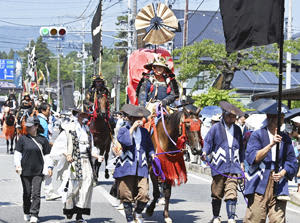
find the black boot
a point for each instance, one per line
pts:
(216, 206)
(79, 217)
(140, 207)
(128, 211)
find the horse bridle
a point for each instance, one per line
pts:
(195, 126)
(181, 140)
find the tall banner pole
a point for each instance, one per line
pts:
(279, 87)
(100, 51)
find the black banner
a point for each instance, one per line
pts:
(249, 23)
(96, 32)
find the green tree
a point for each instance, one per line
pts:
(11, 54)
(3, 55)
(214, 96)
(122, 23)
(43, 54)
(209, 56)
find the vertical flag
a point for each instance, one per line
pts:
(18, 73)
(32, 65)
(96, 32)
(249, 23)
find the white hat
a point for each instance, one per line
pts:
(296, 119)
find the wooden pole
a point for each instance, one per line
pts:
(185, 27)
(279, 88)
(100, 36)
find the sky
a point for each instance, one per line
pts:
(77, 14)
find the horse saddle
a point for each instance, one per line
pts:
(151, 106)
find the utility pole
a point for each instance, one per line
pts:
(58, 76)
(118, 86)
(289, 55)
(129, 50)
(169, 45)
(48, 81)
(185, 28)
(134, 32)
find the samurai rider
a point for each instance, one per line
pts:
(158, 85)
(224, 142)
(97, 89)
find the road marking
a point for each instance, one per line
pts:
(112, 200)
(291, 209)
(5, 155)
(10, 204)
(200, 178)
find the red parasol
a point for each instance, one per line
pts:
(137, 60)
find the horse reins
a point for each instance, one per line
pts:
(243, 177)
(195, 127)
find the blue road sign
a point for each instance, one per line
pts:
(7, 69)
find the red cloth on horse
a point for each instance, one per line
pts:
(172, 164)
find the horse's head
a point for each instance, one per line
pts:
(192, 125)
(102, 102)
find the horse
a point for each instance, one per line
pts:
(182, 127)
(101, 131)
(9, 129)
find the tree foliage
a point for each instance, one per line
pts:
(209, 56)
(214, 96)
(122, 23)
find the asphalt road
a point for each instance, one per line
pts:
(189, 202)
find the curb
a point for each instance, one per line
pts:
(295, 198)
(196, 168)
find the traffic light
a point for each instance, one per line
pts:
(54, 32)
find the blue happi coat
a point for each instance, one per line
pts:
(127, 162)
(258, 173)
(223, 159)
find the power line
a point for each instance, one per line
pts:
(85, 9)
(112, 5)
(196, 9)
(18, 24)
(207, 25)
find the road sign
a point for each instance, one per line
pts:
(7, 69)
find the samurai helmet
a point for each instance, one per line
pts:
(158, 61)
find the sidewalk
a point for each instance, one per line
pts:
(197, 168)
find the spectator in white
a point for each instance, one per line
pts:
(29, 162)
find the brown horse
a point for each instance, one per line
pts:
(100, 129)
(181, 126)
